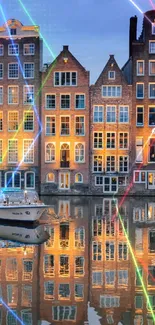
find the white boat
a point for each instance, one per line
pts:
(20, 205)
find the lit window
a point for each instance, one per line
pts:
(152, 90)
(28, 70)
(111, 137)
(140, 68)
(1, 49)
(11, 269)
(123, 164)
(110, 251)
(98, 140)
(123, 114)
(97, 251)
(110, 278)
(139, 176)
(30, 180)
(29, 49)
(65, 161)
(28, 151)
(110, 184)
(12, 121)
(110, 164)
(97, 278)
(12, 294)
(50, 152)
(48, 290)
(152, 68)
(79, 153)
(28, 121)
(65, 79)
(79, 266)
(152, 150)
(111, 75)
(13, 95)
(13, 151)
(1, 121)
(122, 251)
(1, 95)
(111, 91)
(28, 94)
(48, 265)
(50, 178)
(139, 149)
(79, 125)
(79, 291)
(1, 70)
(13, 49)
(140, 116)
(98, 180)
(140, 90)
(64, 265)
(65, 123)
(64, 291)
(78, 178)
(50, 127)
(109, 226)
(97, 224)
(97, 163)
(98, 114)
(111, 114)
(13, 71)
(50, 101)
(123, 140)
(80, 101)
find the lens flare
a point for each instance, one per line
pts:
(11, 311)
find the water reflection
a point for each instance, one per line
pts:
(85, 260)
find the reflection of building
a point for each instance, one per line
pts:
(64, 266)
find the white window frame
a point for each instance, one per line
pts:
(110, 285)
(64, 173)
(29, 188)
(123, 106)
(150, 83)
(111, 132)
(123, 243)
(139, 83)
(12, 121)
(123, 140)
(109, 72)
(110, 184)
(1, 47)
(13, 162)
(96, 180)
(101, 132)
(95, 283)
(51, 161)
(97, 244)
(33, 70)
(84, 101)
(24, 93)
(49, 94)
(65, 78)
(2, 70)
(53, 178)
(32, 148)
(143, 62)
(9, 70)
(141, 152)
(49, 135)
(123, 172)
(1, 115)
(75, 144)
(139, 106)
(98, 108)
(12, 178)
(151, 41)
(98, 166)
(17, 87)
(140, 176)
(79, 135)
(116, 87)
(79, 182)
(12, 45)
(151, 61)
(110, 165)
(112, 106)
(27, 112)
(114, 244)
(1, 88)
(75, 274)
(25, 46)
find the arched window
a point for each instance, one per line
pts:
(79, 153)
(65, 155)
(30, 180)
(50, 152)
(78, 178)
(50, 178)
(13, 179)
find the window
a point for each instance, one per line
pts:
(122, 251)
(97, 226)
(13, 121)
(13, 31)
(64, 181)
(13, 71)
(151, 116)
(79, 266)
(121, 180)
(27, 269)
(29, 49)
(11, 269)
(1, 49)
(79, 291)
(28, 94)
(152, 90)
(111, 75)
(64, 265)
(109, 226)
(151, 47)
(111, 91)
(30, 180)
(153, 28)
(123, 164)
(80, 101)
(12, 294)
(28, 70)
(1, 151)
(151, 275)
(26, 295)
(140, 90)
(78, 178)
(123, 140)
(1, 95)
(123, 114)
(110, 164)
(50, 242)
(13, 49)
(1, 70)
(65, 101)
(139, 149)
(13, 95)
(13, 151)
(111, 114)
(138, 302)
(152, 302)
(152, 150)
(140, 68)
(26, 317)
(122, 277)
(79, 153)
(139, 176)
(50, 101)
(13, 179)
(66, 313)
(98, 140)
(65, 78)
(1, 121)
(110, 184)
(97, 278)
(50, 152)
(140, 116)
(152, 241)
(110, 251)
(28, 151)
(10, 319)
(64, 291)
(110, 278)
(48, 265)
(28, 121)
(98, 210)
(98, 180)
(111, 136)
(109, 301)
(97, 163)
(65, 123)
(98, 114)
(79, 237)
(79, 125)
(152, 68)
(50, 178)
(50, 125)
(97, 251)
(139, 272)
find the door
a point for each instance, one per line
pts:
(151, 180)
(64, 181)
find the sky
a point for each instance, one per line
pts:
(93, 29)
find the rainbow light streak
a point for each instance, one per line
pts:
(140, 10)
(136, 265)
(34, 24)
(12, 312)
(152, 4)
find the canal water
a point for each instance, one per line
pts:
(96, 267)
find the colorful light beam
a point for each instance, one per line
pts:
(140, 10)
(11, 311)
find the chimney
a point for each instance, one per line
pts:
(132, 33)
(65, 47)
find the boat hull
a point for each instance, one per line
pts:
(24, 213)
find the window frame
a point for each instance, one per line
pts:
(96, 181)
(25, 46)
(151, 41)
(25, 180)
(97, 165)
(60, 72)
(116, 86)
(75, 144)
(139, 106)
(97, 148)
(47, 94)
(47, 178)
(75, 122)
(111, 132)
(29, 111)
(66, 135)
(13, 162)
(33, 77)
(123, 106)
(32, 148)
(13, 179)
(151, 61)
(16, 63)
(50, 135)
(12, 45)
(139, 83)
(112, 106)
(119, 138)
(79, 182)
(98, 106)
(2, 70)
(109, 75)
(25, 93)
(76, 94)
(51, 161)
(8, 121)
(17, 87)
(149, 84)
(123, 172)
(140, 74)
(110, 184)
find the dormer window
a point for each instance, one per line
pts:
(111, 75)
(13, 31)
(153, 28)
